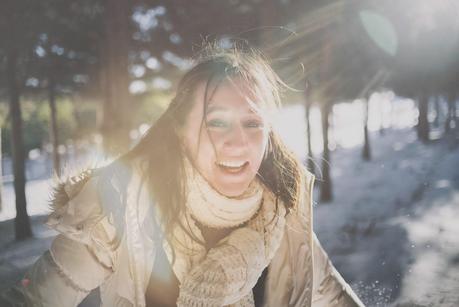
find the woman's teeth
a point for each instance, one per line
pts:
(231, 165)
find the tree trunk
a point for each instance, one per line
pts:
(382, 129)
(1, 172)
(454, 110)
(423, 123)
(53, 126)
(307, 105)
(366, 152)
(21, 222)
(326, 184)
(115, 124)
(451, 116)
(436, 121)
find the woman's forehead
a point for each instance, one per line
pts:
(230, 94)
(244, 110)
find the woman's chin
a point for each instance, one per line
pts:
(233, 190)
(232, 183)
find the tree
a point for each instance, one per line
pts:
(334, 51)
(366, 152)
(53, 125)
(67, 36)
(426, 56)
(22, 223)
(451, 120)
(365, 93)
(328, 89)
(451, 92)
(115, 122)
(43, 50)
(326, 194)
(423, 126)
(16, 46)
(1, 172)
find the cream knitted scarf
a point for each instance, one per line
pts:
(212, 209)
(226, 274)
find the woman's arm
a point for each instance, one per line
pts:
(329, 288)
(308, 260)
(81, 256)
(63, 276)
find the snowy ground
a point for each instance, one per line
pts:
(391, 229)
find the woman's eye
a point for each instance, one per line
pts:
(253, 124)
(217, 123)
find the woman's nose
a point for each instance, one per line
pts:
(236, 136)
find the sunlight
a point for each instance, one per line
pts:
(137, 87)
(346, 122)
(428, 15)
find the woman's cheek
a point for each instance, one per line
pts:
(257, 153)
(259, 142)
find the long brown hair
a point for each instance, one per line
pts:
(161, 153)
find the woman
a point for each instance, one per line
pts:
(208, 209)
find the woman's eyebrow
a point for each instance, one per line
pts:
(215, 108)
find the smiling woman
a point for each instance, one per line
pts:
(208, 209)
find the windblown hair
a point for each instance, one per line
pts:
(161, 151)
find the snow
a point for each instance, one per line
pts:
(37, 194)
(391, 229)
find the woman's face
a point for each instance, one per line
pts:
(228, 155)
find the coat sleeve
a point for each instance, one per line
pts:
(81, 257)
(329, 288)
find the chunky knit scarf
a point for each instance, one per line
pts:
(226, 274)
(212, 209)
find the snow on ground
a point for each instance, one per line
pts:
(37, 193)
(15, 257)
(433, 276)
(391, 229)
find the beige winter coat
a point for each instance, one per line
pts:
(107, 240)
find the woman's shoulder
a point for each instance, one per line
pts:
(306, 191)
(92, 196)
(301, 216)
(309, 178)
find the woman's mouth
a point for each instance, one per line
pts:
(233, 167)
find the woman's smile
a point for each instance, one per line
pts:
(233, 168)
